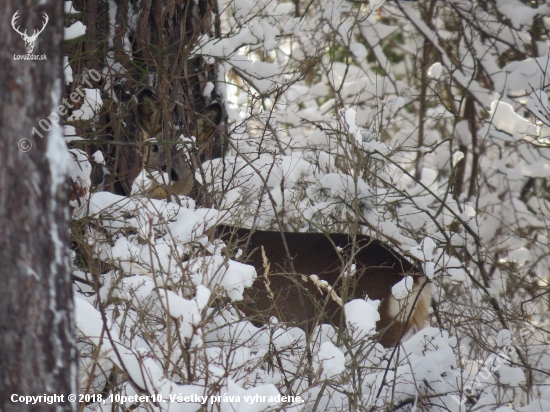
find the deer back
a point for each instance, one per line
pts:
(289, 293)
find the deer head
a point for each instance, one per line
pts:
(162, 155)
(29, 40)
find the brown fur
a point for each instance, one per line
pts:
(296, 299)
(164, 156)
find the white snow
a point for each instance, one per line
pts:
(90, 107)
(435, 70)
(361, 317)
(77, 29)
(330, 360)
(403, 289)
(69, 8)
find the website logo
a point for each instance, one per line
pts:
(29, 40)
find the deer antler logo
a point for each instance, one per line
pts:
(29, 40)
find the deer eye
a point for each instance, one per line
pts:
(155, 148)
(174, 176)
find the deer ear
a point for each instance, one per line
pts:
(208, 120)
(148, 113)
(213, 113)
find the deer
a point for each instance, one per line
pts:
(303, 278)
(163, 156)
(29, 40)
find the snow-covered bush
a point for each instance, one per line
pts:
(424, 124)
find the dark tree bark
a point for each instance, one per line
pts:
(37, 352)
(163, 35)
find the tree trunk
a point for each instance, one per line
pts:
(37, 352)
(162, 35)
